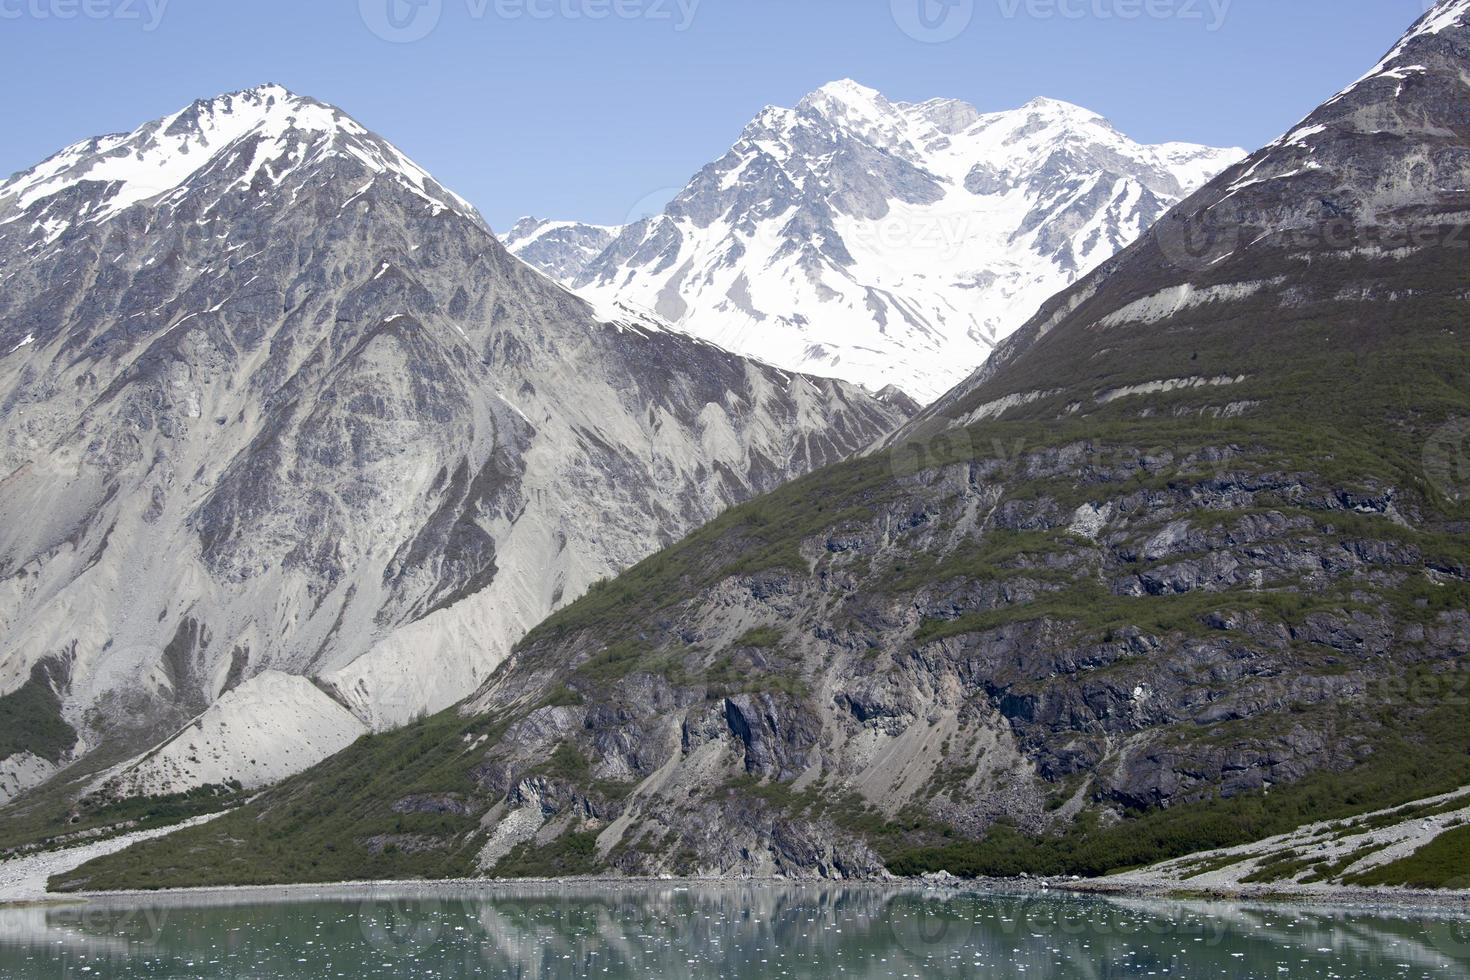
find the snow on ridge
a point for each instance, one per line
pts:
(164, 154)
(995, 409)
(914, 117)
(1169, 302)
(1449, 14)
(623, 315)
(540, 228)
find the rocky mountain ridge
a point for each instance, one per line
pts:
(293, 449)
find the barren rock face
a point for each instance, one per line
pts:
(274, 400)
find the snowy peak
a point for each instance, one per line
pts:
(847, 102)
(847, 91)
(848, 110)
(1445, 16)
(884, 243)
(239, 136)
(1057, 108)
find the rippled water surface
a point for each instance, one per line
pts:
(719, 931)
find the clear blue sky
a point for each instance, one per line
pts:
(584, 117)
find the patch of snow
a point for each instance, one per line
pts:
(1159, 387)
(995, 409)
(1176, 299)
(1303, 133)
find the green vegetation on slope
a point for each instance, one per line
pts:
(1442, 863)
(47, 824)
(570, 855)
(336, 822)
(30, 719)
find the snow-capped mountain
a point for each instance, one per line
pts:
(262, 132)
(891, 243)
(562, 249)
(294, 448)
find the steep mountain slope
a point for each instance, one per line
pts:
(1187, 566)
(277, 406)
(1312, 225)
(885, 243)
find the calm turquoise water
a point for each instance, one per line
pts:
(722, 931)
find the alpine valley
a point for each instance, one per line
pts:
(889, 244)
(294, 450)
(1185, 565)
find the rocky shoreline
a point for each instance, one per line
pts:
(23, 883)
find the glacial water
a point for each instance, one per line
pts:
(717, 931)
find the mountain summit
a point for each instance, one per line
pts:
(887, 243)
(256, 138)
